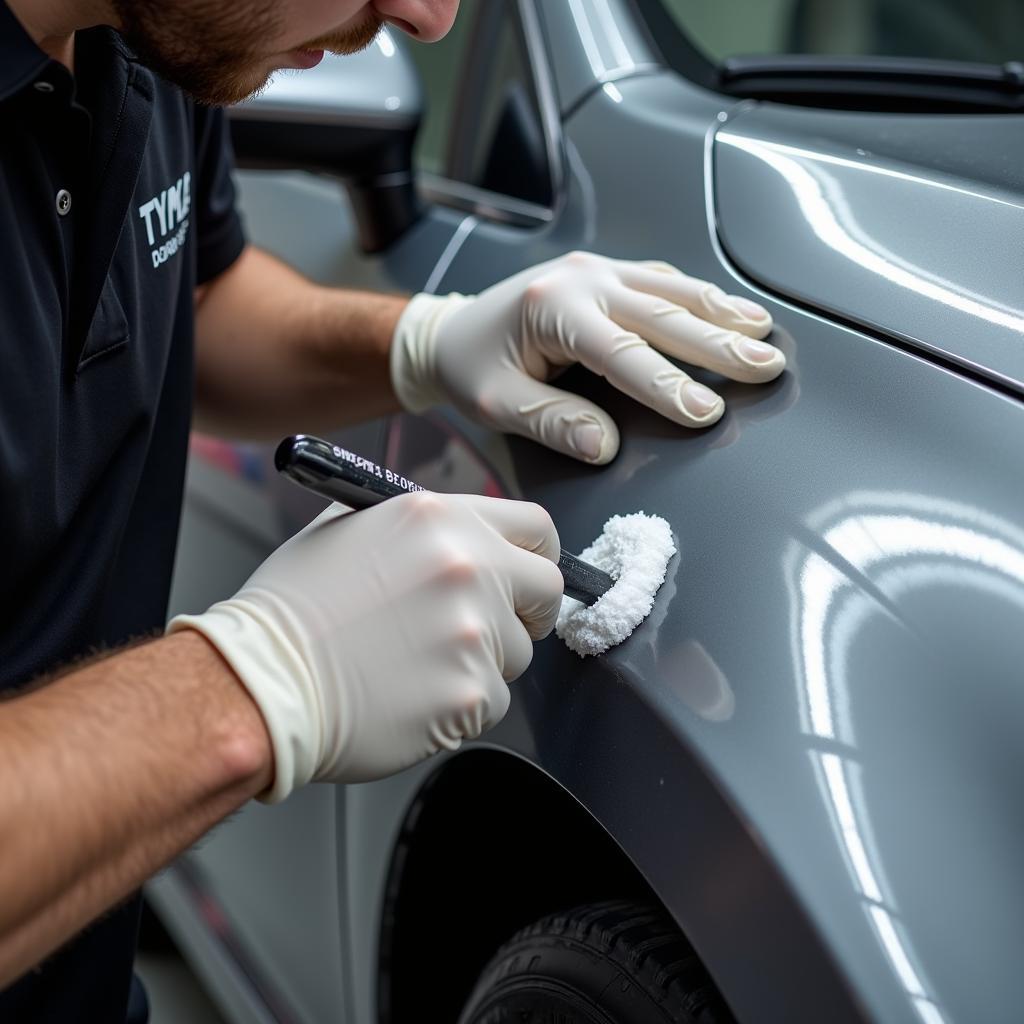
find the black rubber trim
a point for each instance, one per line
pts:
(879, 83)
(868, 83)
(1007, 77)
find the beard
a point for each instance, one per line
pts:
(211, 49)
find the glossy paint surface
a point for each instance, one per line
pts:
(596, 41)
(811, 748)
(907, 224)
(835, 648)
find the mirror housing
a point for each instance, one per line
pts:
(354, 117)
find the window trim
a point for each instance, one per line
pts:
(496, 206)
(865, 83)
(482, 202)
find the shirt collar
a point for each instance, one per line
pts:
(20, 59)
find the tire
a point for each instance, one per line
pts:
(615, 962)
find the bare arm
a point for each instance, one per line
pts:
(107, 774)
(276, 353)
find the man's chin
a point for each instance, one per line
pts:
(352, 39)
(216, 87)
(227, 91)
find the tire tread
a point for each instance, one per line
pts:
(640, 940)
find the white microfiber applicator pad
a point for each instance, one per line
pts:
(634, 550)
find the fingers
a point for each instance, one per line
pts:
(701, 298)
(529, 563)
(522, 523)
(681, 334)
(481, 708)
(516, 653)
(537, 588)
(631, 365)
(556, 419)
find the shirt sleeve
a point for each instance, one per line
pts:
(219, 232)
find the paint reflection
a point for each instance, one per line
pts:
(699, 681)
(822, 202)
(603, 43)
(899, 542)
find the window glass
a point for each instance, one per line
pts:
(483, 124)
(440, 65)
(990, 31)
(501, 145)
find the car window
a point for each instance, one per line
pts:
(989, 31)
(440, 65)
(483, 125)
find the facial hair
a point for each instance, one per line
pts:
(212, 49)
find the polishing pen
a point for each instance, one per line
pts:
(340, 475)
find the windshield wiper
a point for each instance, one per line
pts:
(876, 83)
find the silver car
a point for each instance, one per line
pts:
(789, 796)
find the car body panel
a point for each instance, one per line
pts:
(596, 41)
(808, 749)
(907, 224)
(814, 486)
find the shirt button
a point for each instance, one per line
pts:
(63, 202)
(43, 86)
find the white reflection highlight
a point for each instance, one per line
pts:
(385, 43)
(858, 165)
(865, 540)
(600, 33)
(928, 1012)
(823, 217)
(849, 829)
(819, 582)
(612, 92)
(587, 38)
(905, 545)
(620, 51)
(886, 930)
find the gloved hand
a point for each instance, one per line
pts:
(491, 355)
(371, 640)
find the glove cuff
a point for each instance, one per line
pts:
(277, 679)
(413, 347)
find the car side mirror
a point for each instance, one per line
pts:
(355, 117)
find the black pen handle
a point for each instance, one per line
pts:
(336, 473)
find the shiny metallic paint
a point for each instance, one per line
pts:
(810, 749)
(907, 224)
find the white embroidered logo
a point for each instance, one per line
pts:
(171, 208)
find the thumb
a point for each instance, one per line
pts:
(556, 419)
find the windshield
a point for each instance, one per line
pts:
(987, 31)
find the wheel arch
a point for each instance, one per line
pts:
(490, 844)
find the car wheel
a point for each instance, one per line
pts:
(614, 962)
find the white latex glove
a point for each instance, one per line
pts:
(371, 640)
(491, 355)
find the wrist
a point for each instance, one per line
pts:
(413, 356)
(237, 737)
(274, 676)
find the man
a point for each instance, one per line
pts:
(365, 643)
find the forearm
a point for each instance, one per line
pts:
(110, 772)
(277, 354)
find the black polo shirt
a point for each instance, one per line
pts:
(115, 202)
